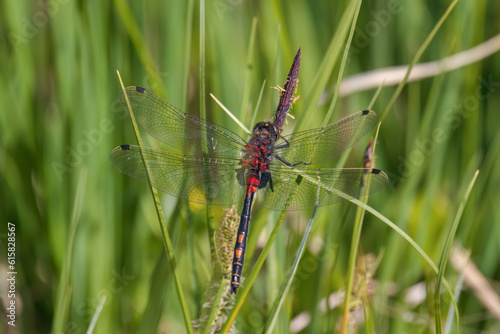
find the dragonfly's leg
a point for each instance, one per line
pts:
(289, 164)
(285, 145)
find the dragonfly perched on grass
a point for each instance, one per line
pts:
(268, 166)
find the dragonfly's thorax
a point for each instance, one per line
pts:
(259, 148)
(257, 154)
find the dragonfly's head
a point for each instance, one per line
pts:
(266, 130)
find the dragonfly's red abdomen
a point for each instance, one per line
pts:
(253, 183)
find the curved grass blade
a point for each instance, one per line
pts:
(353, 255)
(412, 243)
(251, 278)
(166, 237)
(391, 225)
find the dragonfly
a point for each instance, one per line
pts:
(218, 167)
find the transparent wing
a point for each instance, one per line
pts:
(177, 128)
(323, 144)
(355, 182)
(196, 179)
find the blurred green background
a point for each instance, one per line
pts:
(83, 230)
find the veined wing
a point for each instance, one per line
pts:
(353, 182)
(177, 128)
(196, 179)
(325, 143)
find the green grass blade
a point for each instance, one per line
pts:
(342, 64)
(95, 317)
(458, 289)
(230, 114)
(203, 114)
(257, 105)
(446, 252)
(387, 222)
(250, 279)
(139, 44)
(187, 51)
(166, 236)
(201, 59)
(416, 58)
(375, 96)
(327, 65)
(156, 300)
(60, 118)
(412, 243)
(285, 286)
(64, 289)
(356, 236)
(216, 307)
(218, 298)
(249, 64)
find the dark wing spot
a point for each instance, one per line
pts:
(375, 171)
(366, 112)
(139, 89)
(125, 147)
